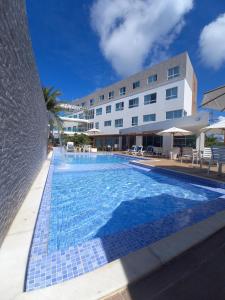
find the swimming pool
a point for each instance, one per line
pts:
(99, 207)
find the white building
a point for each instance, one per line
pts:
(127, 111)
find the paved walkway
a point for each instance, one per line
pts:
(185, 167)
(197, 274)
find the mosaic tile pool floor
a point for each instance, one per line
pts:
(97, 209)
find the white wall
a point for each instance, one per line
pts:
(159, 108)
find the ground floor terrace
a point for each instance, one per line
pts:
(165, 269)
(147, 135)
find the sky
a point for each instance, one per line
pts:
(81, 46)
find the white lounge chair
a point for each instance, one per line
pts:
(206, 156)
(70, 147)
(218, 156)
(133, 150)
(140, 150)
(174, 153)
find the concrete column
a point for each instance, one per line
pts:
(200, 141)
(120, 142)
(139, 140)
(167, 142)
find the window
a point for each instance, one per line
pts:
(134, 121)
(152, 78)
(119, 123)
(111, 94)
(97, 125)
(75, 116)
(122, 91)
(90, 125)
(174, 114)
(149, 99)
(101, 97)
(83, 104)
(119, 106)
(136, 84)
(98, 111)
(149, 118)
(171, 93)
(108, 109)
(81, 116)
(69, 128)
(92, 102)
(133, 102)
(173, 72)
(107, 123)
(91, 114)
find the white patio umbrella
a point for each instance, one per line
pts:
(218, 127)
(93, 131)
(174, 131)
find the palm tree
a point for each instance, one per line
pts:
(52, 105)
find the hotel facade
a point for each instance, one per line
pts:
(133, 110)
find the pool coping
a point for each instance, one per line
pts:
(103, 281)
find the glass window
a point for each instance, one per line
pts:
(174, 114)
(90, 125)
(69, 128)
(122, 91)
(152, 78)
(171, 93)
(136, 84)
(91, 114)
(107, 123)
(81, 116)
(99, 111)
(83, 104)
(75, 116)
(92, 101)
(119, 106)
(108, 109)
(101, 97)
(149, 99)
(133, 102)
(134, 121)
(119, 123)
(149, 118)
(111, 94)
(173, 72)
(97, 125)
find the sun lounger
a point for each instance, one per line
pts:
(218, 156)
(206, 156)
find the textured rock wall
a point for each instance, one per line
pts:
(23, 118)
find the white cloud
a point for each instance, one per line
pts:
(130, 30)
(212, 43)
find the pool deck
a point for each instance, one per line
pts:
(113, 277)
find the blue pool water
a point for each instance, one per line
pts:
(99, 202)
(97, 208)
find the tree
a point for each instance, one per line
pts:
(50, 96)
(211, 140)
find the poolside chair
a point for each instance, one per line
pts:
(70, 147)
(148, 151)
(174, 153)
(218, 156)
(140, 150)
(187, 154)
(158, 151)
(206, 156)
(133, 150)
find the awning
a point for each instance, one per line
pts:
(215, 99)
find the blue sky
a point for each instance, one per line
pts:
(76, 46)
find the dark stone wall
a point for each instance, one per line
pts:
(23, 117)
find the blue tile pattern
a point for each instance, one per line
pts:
(48, 266)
